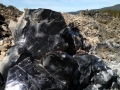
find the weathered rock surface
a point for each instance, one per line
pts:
(89, 13)
(50, 55)
(10, 12)
(101, 32)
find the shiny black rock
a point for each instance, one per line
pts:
(27, 75)
(40, 34)
(93, 71)
(61, 65)
(75, 40)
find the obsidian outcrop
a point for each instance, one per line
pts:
(47, 55)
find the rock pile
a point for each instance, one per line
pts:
(10, 12)
(101, 32)
(104, 18)
(89, 13)
(50, 55)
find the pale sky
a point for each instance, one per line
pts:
(60, 5)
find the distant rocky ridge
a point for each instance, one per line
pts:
(115, 7)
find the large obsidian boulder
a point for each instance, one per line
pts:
(41, 32)
(27, 75)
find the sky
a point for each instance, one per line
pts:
(60, 5)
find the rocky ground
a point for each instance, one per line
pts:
(10, 12)
(101, 31)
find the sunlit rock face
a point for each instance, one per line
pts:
(49, 55)
(10, 12)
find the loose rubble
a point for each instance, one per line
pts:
(10, 13)
(101, 32)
